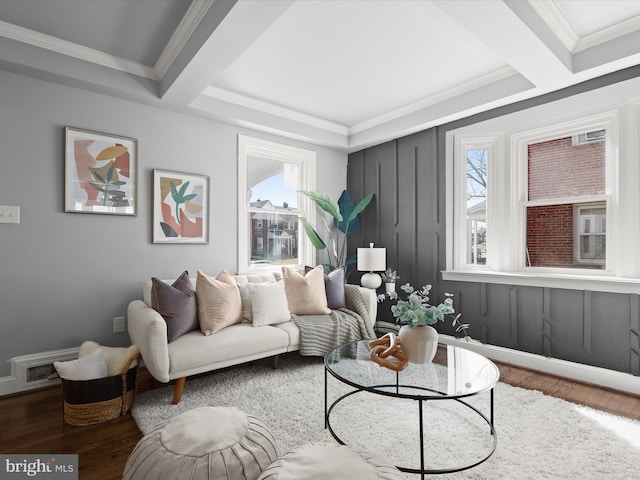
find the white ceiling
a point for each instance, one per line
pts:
(341, 73)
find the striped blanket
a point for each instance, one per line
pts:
(321, 333)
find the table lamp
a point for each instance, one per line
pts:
(371, 260)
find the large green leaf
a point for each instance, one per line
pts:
(326, 203)
(350, 212)
(312, 234)
(359, 208)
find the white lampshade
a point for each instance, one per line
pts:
(372, 259)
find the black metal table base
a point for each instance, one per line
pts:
(422, 471)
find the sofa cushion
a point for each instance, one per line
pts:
(334, 288)
(177, 304)
(268, 304)
(219, 303)
(306, 294)
(194, 353)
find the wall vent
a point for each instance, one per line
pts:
(32, 371)
(39, 373)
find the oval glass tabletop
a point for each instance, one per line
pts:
(455, 372)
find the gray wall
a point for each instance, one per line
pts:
(64, 276)
(407, 217)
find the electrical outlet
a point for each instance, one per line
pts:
(9, 214)
(118, 324)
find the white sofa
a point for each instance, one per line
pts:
(194, 353)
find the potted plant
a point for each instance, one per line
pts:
(390, 277)
(345, 221)
(418, 339)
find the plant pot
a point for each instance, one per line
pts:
(419, 343)
(390, 287)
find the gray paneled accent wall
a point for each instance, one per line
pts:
(407, 217)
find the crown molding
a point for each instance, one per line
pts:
(441, 96)
(196, 12)
(71, 49)
(552, 16)
(607, 34)
(265, 107)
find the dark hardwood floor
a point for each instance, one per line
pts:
(32, 423)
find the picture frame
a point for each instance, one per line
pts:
(101, 173)
(180, 207)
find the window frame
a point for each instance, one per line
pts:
(306, 162)
(622, 270)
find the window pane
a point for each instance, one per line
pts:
(553, 240)
(567, 167)
(274, 238)
(273, 181)
(477, 206)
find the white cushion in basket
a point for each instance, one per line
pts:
(88, 367)
(331, 462)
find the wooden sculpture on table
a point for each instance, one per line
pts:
(387, 352)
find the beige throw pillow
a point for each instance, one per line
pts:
(268, 304)
(306, 295)
(219, 303)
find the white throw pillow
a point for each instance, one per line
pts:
(116, 358)
(268, 303)
(88, 367)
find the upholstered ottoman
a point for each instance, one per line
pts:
(212, 443)
(331, 462)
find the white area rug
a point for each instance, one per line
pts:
(539, 437)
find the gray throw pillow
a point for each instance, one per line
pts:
(177, 304)
(334, 287)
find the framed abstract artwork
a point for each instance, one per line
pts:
(100, 173)
(180, 207)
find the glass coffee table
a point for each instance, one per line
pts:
(455, 375)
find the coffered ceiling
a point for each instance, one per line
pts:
(341, 73)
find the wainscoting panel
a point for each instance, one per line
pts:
(407, 216)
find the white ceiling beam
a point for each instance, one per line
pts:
(217, 44)
(503, 29)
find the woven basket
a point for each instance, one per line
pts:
(88, 402)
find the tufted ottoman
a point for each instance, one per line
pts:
(331, 462)
(212, 443)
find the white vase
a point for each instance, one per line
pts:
(419, 343)
(390, 287)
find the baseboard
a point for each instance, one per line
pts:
(603, 377)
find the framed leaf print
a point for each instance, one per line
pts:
(100, 173)
(180, 207)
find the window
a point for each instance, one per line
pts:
(477, 163)
(590, 238)
(270, 175)
(556, 205)
(561, 229)
(473, 159)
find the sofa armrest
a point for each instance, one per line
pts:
(148, 330)
(371, 302)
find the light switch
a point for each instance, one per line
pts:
(9, 214)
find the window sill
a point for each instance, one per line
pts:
(560, 280)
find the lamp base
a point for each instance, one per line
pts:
(371, 280)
